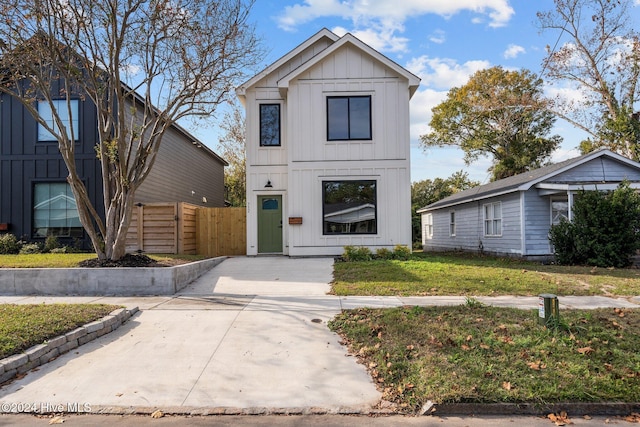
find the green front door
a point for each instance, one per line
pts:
(269, 224)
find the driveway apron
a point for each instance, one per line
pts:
(250, 333)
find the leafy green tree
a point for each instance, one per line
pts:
(601, 60)
(498, 113)
(232, 147)
(604, 231)
(429, 191)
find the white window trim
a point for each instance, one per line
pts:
(491, 220)
(428, 226)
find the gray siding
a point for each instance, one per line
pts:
(598, 170)
(470, 228)
(180, 169)
(537, 219)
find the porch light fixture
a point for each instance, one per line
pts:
(268, 184)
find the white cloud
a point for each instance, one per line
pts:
(444, 73)
(379, 21)
(438, 36)
(513, 50)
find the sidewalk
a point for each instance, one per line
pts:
(249, 336)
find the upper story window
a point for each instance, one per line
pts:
(348, 118)
(269, 125)
(349, 207)
(493, 219)
(452, 223)
(61, 107)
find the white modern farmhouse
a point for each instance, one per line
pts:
(327, 149)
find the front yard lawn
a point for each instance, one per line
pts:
(476, 353)
(23, 326)
(465, 274)
(70, 260)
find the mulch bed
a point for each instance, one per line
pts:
(129, 260)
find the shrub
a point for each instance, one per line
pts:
(383, 253)
(356, 253)
(9, 244)
(50, 243)
(401, 253)
(30, 248)
(61, 250)
(605, 231)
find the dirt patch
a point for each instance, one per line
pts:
(129, 260)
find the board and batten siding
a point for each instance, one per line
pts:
(470, 228)
(393, 207)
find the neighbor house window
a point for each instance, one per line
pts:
(62, 109)
(559, 210)
(269, 125)
(428, 226)
(493, 219)
(452, 223)
(349, 207)
(55, 211)
(348, 117)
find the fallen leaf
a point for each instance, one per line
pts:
(506, 385)
(536, 366)
(469, 338)
(585, 350)
(410, 347)
(587, 417)
(465, 347)
(56, 420)
(157, 414)
(484, 346)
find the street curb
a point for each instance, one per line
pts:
(454, 409)
(39, 354)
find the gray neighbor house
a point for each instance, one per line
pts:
(512, 216)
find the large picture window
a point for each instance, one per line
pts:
(269, 125)
(349, 207)
(348, 117)
(45, 111)
(55, 211)
(493, 219)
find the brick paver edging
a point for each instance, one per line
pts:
(42, 353)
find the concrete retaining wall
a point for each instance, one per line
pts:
(43, 353)
(102, 281)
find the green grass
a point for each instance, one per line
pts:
(71, 260)
(23, 326)
(475, 353)
(464, 274)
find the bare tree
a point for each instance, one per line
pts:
(601, 59)
(145, 64)
(232, 147)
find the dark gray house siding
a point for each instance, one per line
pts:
(526, 205)
(25, 162)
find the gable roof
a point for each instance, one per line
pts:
(336, 43)
(414, 81)
(323, 33)
(523, 181)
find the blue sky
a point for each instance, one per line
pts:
(441, 41)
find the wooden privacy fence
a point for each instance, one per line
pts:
(163, 228)
(182, 228)
(221, 231)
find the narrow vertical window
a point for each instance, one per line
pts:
(559, 211)
(348, 118)
(269, 125)
(428, 226)
(452, 223)
(70, 122)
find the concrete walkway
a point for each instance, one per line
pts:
(250, 334)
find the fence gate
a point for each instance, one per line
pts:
(221, 231)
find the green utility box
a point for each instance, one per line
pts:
(548, 308)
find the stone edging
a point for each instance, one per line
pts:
(42, 353)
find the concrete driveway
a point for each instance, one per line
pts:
(250, 334)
